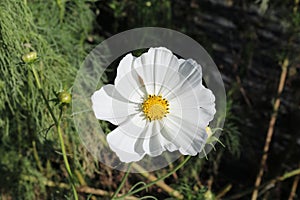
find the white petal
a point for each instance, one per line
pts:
(197, 144)
(128, 81)
(109, 105)
(135, 126)
(190, 113)
(191, 72)
(125, 66)
(200, 107)
(123, 146)
(165, 143)
(186, 134)
(205, 97)
(155, 66)
(152, 143)
(127, 140)
(194, 98)
(184, 123)
(190, 75)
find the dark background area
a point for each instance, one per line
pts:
(247, 43)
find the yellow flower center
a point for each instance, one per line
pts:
(155, 107)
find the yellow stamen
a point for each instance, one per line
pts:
(155, 107)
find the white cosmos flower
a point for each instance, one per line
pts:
(158, 103)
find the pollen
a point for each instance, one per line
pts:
(155, 107)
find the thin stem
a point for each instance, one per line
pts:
(63, 149)
(270, 132)
(153, 182)
(38, 83)
(267, 184)
(160, 184)
(122, 182)
(36, 156)
(57, 124)
(294, 188)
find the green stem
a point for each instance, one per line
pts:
(61, 6)
(62, 144)
(38, 83)
(289, 174)
(122, 182)
(157, 180)
(57, 124)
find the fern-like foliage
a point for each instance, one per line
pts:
(58, 34)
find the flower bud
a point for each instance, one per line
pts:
(29, 57)
(64, 97)
(209, 195)
(208, 131)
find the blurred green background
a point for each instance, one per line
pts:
(247, 39)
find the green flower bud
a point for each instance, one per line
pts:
(29, 57)
(64, 97)
(209, 195)
(148, 3)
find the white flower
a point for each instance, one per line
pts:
(159, 103)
